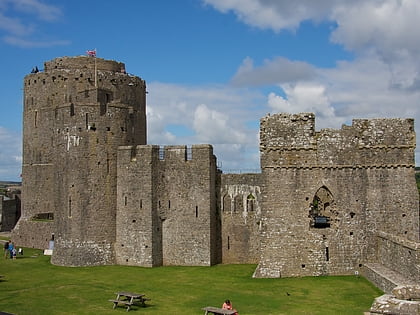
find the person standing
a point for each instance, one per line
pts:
(11, 247)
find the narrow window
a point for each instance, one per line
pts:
(169, 204)
(161, 153)
(87, 121)
(327, 254)
(69, 207)
(36, 118)
(188, 154)
(196, 211)
(141, 203)
(228, 243)
(71, 109)
(125, 200)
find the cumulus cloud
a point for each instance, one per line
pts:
(276, 14)
(306, 97)
(19, 20)
(10, 155)
(278, 70)
(383, 80)
(217, 115)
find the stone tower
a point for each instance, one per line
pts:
(166, 208)
(76, 114)
(336, 201)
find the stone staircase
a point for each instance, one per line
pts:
(384, 278)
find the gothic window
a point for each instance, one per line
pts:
(226, 203)
(321, 208)
(250, 202)
(238, 204)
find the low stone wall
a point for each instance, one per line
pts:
(404, 300)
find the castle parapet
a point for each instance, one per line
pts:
(83, 63)
(291, 141)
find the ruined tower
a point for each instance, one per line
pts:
(338, 201)
(77, 111)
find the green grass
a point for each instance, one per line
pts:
(31, 285)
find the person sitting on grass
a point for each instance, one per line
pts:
(228, 306)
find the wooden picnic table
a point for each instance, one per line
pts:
(217, 311)
(128, 299)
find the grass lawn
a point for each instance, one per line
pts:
(31, 285)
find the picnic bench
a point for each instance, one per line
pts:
(128, 299)
(217, 311)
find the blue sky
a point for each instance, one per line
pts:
(213, 68)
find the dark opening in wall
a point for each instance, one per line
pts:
(327, 254)
(69, 210)
(141, 203)
(303, 266)
(188, 154)
(321, 208)
(321, 222)
(47, 216)
(352, 214)
(71, 109)
(36, 119)
(250, 202)
(169, 204)
(125, 200)
(228, 243)
(196, 211)
(161, 153)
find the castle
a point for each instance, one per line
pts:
(326, 202)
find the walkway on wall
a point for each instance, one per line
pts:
(384, 278)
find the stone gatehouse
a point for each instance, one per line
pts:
(326, 202)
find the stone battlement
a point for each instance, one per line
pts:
(291, 141)
(83, 63)
(174, 153)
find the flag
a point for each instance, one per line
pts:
(91, 53)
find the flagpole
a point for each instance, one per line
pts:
(96, 81)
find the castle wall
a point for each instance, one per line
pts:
(327, 194)
(240, 200)
(9, 213)
(172, 219)
(76, 114)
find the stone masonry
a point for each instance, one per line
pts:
(326, 202)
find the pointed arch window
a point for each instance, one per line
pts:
(321, 208)
(250, 202)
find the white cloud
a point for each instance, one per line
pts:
(278, 70)
(383, 80)
(276, 14)
(213, 114)
(10, 155)
(24, 43)
(41, 10)
(19, 21)
(306, 97)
